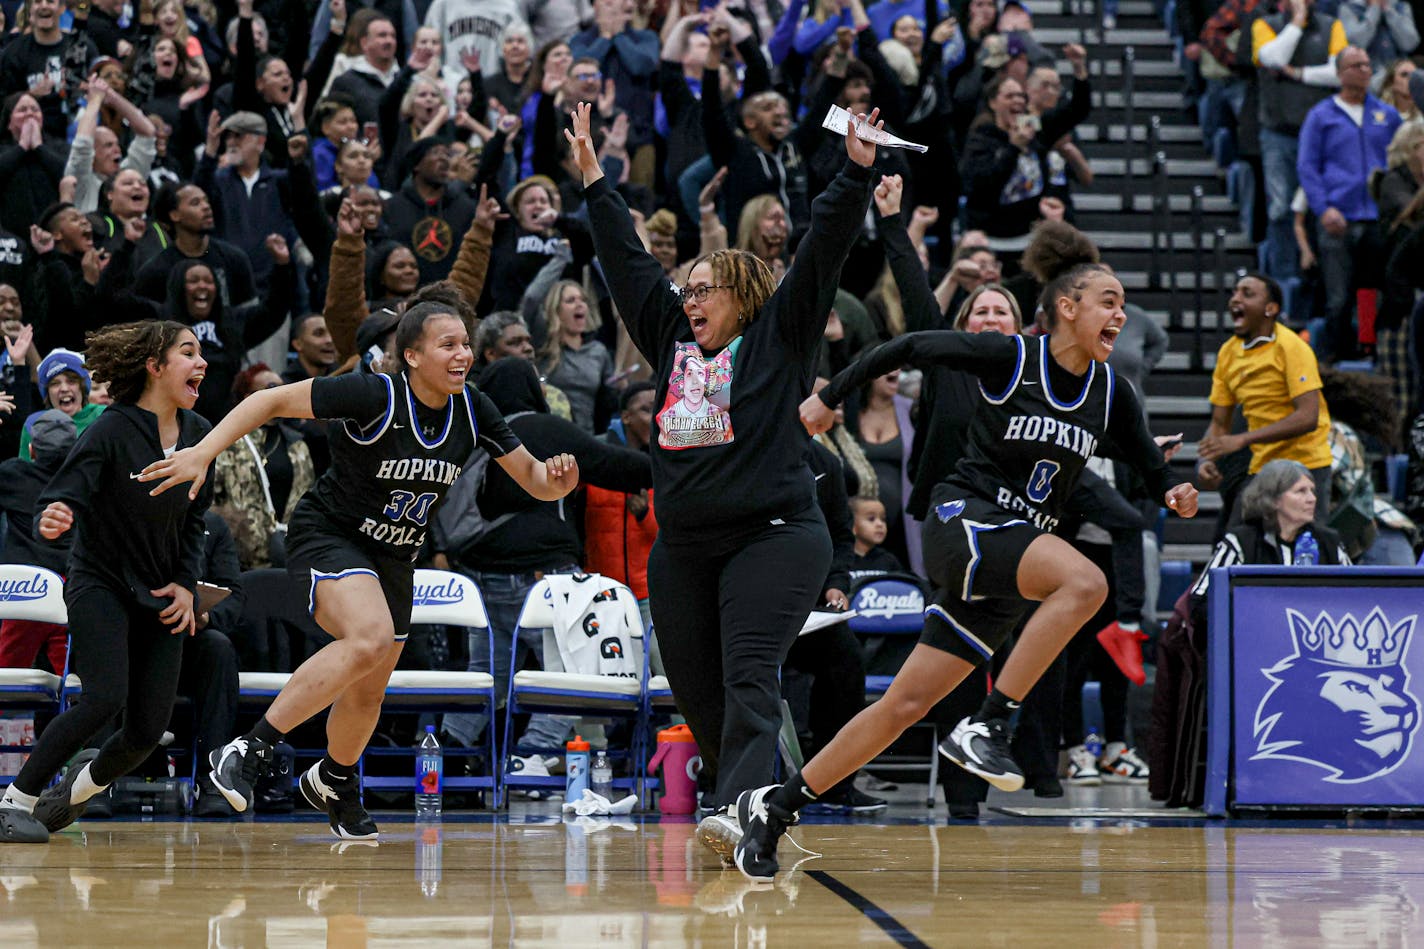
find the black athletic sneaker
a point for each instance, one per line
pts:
(342, 802)
(762, 826)
(982, 748)
(53, 808)
(236, 767)
(21, 827)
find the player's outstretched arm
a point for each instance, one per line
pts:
(546, 480)
(191, 464)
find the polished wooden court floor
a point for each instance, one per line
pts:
(537, 881)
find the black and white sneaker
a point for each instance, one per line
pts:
(762, 825)
(236, 767)
(982, 748)
(53, 808)
(342, 802)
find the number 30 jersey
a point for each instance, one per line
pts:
(393, 458)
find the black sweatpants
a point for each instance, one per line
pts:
(726, 611)
(128, 660)
(1099, 502)
(832, 658)
(1088, 660)
(209, 679)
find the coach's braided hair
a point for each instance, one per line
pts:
(747, 274)
(1060, 257)
(119, 354)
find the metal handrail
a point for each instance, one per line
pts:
(1199, 268)
(1164, 197)
(1218, 246)
(1129, 122)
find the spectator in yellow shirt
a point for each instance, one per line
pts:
(1272, 374)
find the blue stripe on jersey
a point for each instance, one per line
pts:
(415, 423)
(470, 411)
(975, 643)
(385, 419)
(1013, 380)
(1112, 383)
(1048, 388)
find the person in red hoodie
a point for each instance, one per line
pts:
(620, 528)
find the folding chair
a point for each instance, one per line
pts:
(555, 691)
(440, 597)
(453, 599)
(894, 605)
(29, 593)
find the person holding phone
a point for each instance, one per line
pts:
(133, 567)
(1005, 164)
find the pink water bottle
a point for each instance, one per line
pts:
(677, 754)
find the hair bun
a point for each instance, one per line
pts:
(1056, 248)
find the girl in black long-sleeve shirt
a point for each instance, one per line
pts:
(133, 571)
(1046, 406)
(743, 550)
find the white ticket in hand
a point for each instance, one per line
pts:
(838, 120)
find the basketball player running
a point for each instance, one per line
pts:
(132, 572)
(352, 539)
(1048, 404)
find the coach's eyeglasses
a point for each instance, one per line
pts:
(700, 293)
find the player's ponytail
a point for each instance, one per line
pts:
(1060, 257)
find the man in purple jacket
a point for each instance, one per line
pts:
(1344, 138)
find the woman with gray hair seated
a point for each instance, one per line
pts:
(1278, 526)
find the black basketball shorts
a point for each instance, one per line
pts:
(972, 550)
(317, 550)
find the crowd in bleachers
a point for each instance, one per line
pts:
(283, 175)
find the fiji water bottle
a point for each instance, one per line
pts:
(429, 771)
(575, 769)
(601, 776)
(1307, 551)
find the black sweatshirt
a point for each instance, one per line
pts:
(756, 471)
(125, 540)
(835, 506)
(543, 534)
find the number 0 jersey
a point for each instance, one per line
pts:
(1035, 425)
(1028, 442)
(393, 458)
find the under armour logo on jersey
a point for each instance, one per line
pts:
(948, 511)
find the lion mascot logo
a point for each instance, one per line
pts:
(1341, 701)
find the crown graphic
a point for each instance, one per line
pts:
(1346, 641)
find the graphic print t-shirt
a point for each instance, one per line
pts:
(697, 410)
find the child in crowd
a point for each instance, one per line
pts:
(869, 528)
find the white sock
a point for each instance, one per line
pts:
(84, 787)
(19, 800)
(1131, 627)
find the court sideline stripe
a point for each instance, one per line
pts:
(893, 928)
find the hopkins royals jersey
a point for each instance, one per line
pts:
(393, 458)
(1036, 424)
(1029, 443)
